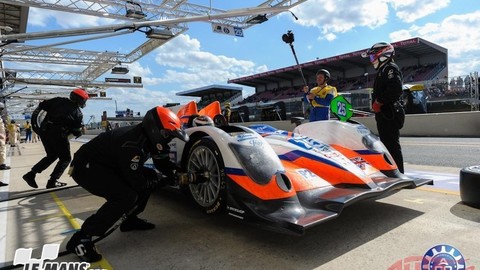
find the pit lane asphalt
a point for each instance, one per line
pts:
(390, 233)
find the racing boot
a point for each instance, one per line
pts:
(82, 245)
(53, 183)
(134, 223)
(30, 179)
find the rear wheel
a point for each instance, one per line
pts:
(205, 157)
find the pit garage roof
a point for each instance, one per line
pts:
(13, 16)
(211, 89)
(412, 48)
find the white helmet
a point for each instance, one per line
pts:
(202, 120)
(379, 53)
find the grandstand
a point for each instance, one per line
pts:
(208, 94)
(353, 75)
(280, 90)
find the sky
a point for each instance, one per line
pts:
(324, 28)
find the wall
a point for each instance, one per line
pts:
(460, 124)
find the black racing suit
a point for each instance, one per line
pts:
(64, 117)
(387, 89)
(111, 166)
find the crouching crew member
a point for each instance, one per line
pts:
(111, 166)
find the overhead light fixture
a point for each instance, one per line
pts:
(159, 34)
(6, 28)
(134, 10)
(258, 19)
(120, 70)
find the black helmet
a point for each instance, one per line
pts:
(379, 53)
(325, 73)
(79, 96)
(161, 125)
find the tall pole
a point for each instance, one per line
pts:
(298, 64)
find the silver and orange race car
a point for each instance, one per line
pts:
(286, 181)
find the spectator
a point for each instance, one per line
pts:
(28, 132)
(3, 137)
(12, 133)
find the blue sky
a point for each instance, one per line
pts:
(324, 28)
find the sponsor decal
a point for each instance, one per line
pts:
(307, 174)
(243, 137)
(363, 130)
(309, 143)
(390, 74)
(256, 143)
(159, 146)
(359, 161)
(236, 210)
(23, 256)
(134, 166)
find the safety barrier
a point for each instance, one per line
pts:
(458, 124)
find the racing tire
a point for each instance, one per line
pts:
(470, 186)
(211, 195)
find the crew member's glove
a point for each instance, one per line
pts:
(151, 176)
(77, 133)
(376, 106)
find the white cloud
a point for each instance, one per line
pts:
(41, 18)
(458, 33)
(412, 10)
(189, 66)
(338, 16)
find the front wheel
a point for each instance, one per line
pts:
(205, 156)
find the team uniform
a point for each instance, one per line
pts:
(63, 118)
(387, 89)
(112, 166)
(321, 102)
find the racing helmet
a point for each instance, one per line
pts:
(325, 73)
(79, 96)
(379, 53)
(161, 125)
(202, 120)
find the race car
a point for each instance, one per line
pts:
(286, 181)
